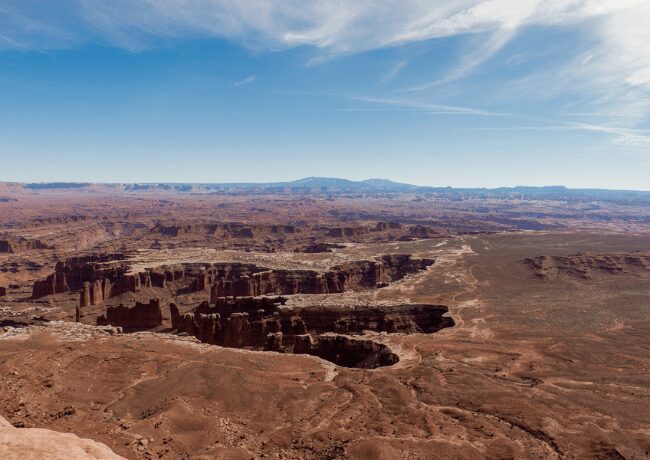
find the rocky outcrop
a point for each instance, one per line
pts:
(347, 232)
(15, 245)
(320, 248)
(274, 342)
(140, 317)
(420, 231)
(40, 443)
(56, 283)
(351, 275)
(351, 352)
(223, 230)
(94, 293)
(71, 275)
(586, 265)
(264, 324)
(406, 319)
(238, 323)
(383, 226)
(98, 278)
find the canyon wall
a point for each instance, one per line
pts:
(15, 245)
(140, 317)
(97, 278)
(264, 324)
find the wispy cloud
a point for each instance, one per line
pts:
(246, 81)
(623, 136)
(338, 26)
(426, 107)
(609, 68)
(393, 72)
(470, 60)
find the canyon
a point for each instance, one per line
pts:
(185, 321)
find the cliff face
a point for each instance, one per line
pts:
(15, 245)
(406, 319)
(100, 277)
(140, 317)
(352, 275)
(224, 230)
(74, 272)
(351, 352)
(237, 323)
(262, 323)
(587, 265)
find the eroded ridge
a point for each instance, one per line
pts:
(586, 265)
(324, 331)
(98, 278)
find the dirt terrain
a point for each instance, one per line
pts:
(245, 323)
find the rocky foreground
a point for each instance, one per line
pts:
(40, 443)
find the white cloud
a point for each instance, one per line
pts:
(426, 107)
(622, 136)
(246, 81)
(338, 26)
(610, 68)
(393, 72)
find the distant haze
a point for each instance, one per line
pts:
(338, 185)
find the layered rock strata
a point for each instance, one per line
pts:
(140, 317)
(15, 245)
(101, 277)
(585, 265)
(264, 324)
(224, 230)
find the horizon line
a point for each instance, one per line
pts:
(281, 182)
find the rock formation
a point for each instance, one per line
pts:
(264, 324)
(351, 352)
(3, 291)
(74, 272)
(101, 277)
(383, 226)
(341, 232)
(224, 230)
(585, 265)
(142, 316)
(407, 319)
(15, 245)
(420, 231)
(40, 443)
(320, 247)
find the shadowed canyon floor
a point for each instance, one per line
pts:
(544, 352)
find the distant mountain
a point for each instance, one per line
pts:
(349, 185)
(332, 185)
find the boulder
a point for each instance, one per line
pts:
(40, 443)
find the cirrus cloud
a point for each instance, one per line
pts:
(610, 68)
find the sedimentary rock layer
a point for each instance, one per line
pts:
(15, 245)
(585, 265)
(142, 316)
(262, 323)
(100, 277)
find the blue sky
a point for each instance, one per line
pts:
(462, 93)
